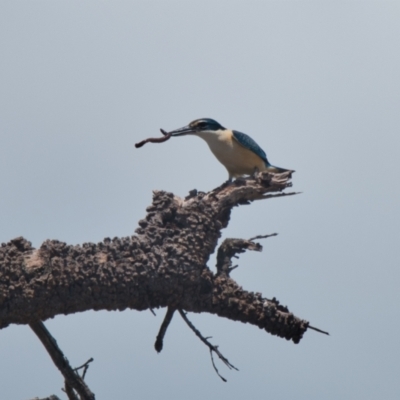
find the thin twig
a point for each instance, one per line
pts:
(210, 346)
(271, 196)
(158, 345)
(84, 366)
(215, 367)
(318, 330)
(262, 237)
(61, 362)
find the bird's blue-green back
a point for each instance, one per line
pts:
(250, 144)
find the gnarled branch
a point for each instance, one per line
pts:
(164, 265)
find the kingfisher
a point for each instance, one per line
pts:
(236, 151)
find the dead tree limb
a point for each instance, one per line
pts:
(164, 265)
(72, 380)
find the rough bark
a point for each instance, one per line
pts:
(164, 265)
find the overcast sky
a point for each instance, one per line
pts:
(315, 83)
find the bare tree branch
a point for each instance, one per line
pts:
(164, 265)
(72, 379)
(210, 346)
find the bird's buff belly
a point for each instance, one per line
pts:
(240, 161)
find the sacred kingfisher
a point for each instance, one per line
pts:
(238, 152)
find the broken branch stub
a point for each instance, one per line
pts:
(228, 249)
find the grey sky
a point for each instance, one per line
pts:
(315, 83)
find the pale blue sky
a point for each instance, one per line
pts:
(315, 83)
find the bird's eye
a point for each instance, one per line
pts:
(202, 124)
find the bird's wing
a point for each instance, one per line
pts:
(247, 142)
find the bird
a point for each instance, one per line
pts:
(238, 152)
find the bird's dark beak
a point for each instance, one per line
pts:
(186, 130)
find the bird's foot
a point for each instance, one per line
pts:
(255, 172)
